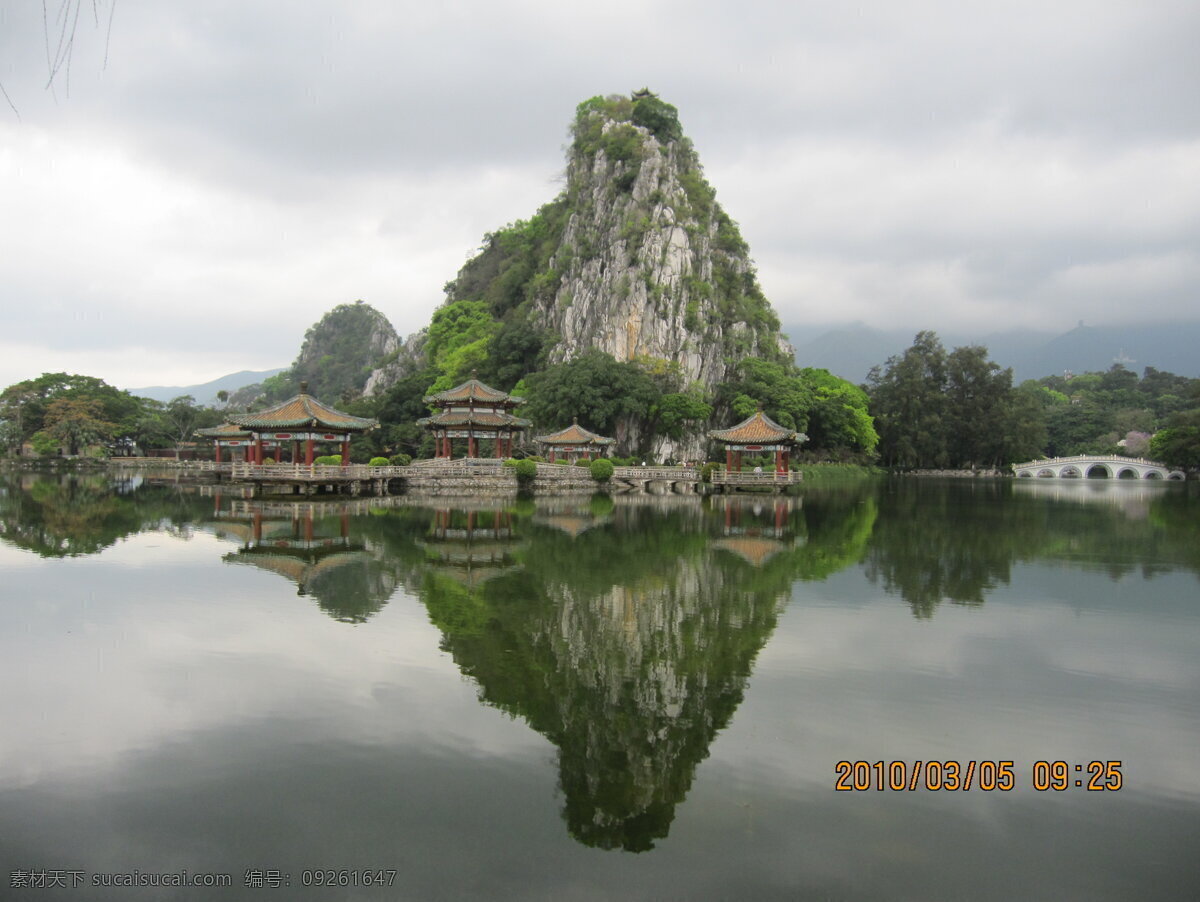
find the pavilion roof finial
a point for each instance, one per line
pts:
(304, 387)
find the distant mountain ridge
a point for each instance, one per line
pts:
(852, 350)
(206, 392)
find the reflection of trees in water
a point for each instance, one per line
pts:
(70, 514)
(957, 541)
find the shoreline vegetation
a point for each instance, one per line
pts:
(929, 424)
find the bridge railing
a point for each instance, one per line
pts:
(727, 477)
(1091, 458)
(666, 474)
(312, 472)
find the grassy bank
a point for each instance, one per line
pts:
(831, 473)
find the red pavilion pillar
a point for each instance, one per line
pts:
(308, 452)
(218, 446)
(258, 450)
(346, 451)
(728, 460)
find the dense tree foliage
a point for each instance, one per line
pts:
(1178, 444)
(82, 415)
(603, 393)
(934, 409)
(959, 409)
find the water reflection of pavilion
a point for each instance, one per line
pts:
(308, 544)
(574, 516)
(756, 530)
(471, 546)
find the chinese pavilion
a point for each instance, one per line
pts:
(301, 419)
(758, 433)
(473, 411)
(574, 442)
(235, 438)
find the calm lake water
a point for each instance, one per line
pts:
(638, 697)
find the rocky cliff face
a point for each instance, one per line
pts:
(340, 350)
(649, 264)
(635, 258)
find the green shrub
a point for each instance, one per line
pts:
(378, 462)
(400, 460)
(328, 460)
(268, 460)
(602, 470)
(706, 471)
(582, 462)
(526, 471)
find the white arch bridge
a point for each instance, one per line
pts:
(1095, 466)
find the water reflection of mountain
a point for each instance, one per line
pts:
(624, 629)
(626, 643)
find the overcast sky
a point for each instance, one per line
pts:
(234, 170)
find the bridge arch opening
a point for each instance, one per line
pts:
(1099, 471)
(1024, 474)
(1070, 473)
(1127, 473)
(1153, 474)
(1176, 475)
(1046, 474)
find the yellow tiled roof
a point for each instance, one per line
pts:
(473, 391)
(461, 419)
(225, 430)
(756, 430)
(302, 410)
(573, 435)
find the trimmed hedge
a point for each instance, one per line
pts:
(601, 470)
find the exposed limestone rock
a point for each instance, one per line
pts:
(651, 270)
(403, 359)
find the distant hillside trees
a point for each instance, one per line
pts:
(935, 409)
